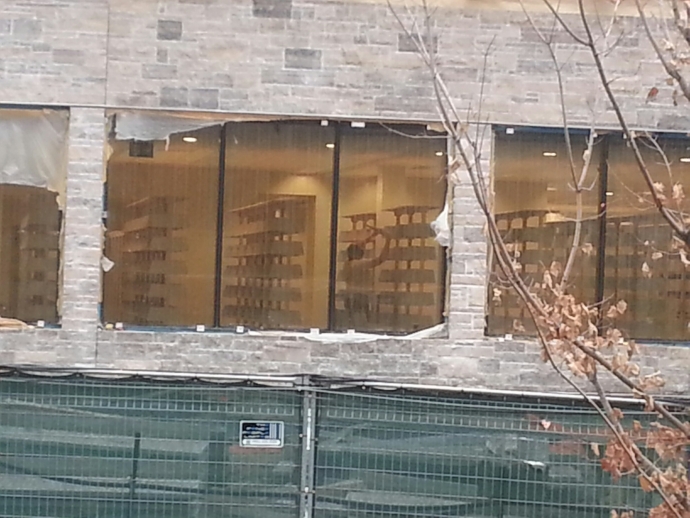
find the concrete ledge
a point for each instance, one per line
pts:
(487, 363)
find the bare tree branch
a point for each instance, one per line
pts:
(671, 70)
(678, 226)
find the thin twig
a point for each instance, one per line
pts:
(677, 226)
(670, 69)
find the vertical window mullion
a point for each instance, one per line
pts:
(335, 199)
(601, 244)
(220, 219)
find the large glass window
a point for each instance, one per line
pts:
(390, 272)
(278, 185)
(642, 266)
(535, 209)
(277, 225)
(162, 199)
(633, 260)
(32, 187)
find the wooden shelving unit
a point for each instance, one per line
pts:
(658, 301)
(268, 263)
(404, 291)
(148, 256)
(536, 239)
(38, 237)
(410, 279)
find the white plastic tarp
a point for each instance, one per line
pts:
(33, 149)
(441, 227)
(355, 336)
(156, 126)
(160, 126)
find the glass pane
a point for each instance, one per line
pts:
(642, 266)
(162, 212)
(32, 172)
(29, 253)
(390, 272)
(277, 225)
(535, 210)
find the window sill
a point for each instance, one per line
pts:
(438, 332)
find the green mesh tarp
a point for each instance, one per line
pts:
(410, 456)
(76, 447)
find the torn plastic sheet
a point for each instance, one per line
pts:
(157, 126)
(33, 149)
(160, 126)
(106, 264)
(436, 331)
(441, 227)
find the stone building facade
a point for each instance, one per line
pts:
(339, 59)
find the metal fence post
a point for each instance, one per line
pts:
(306, 502)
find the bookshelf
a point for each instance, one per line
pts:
(268, 263)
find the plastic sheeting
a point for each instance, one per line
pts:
(356, 337)
(441, 228)
(33, 149)
(160, 126)
(156, 126)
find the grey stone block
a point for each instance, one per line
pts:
(174, 97)
(204, 98)
(296, 77)
(68, 56)
(27, 28)
(303, 58)
(410, 43)
(272, 8)
(169, 30)
(159, 71)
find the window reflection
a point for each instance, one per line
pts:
(390, 271)
(32, 188)
(535, 209)
(277, 225)
(643, 266)
(162, 206)
(262, 256)
(29, 259)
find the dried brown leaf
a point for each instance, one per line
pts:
(595, 448)
(684, 256)
(518, 327)
(678, 194)
(556, 269)
(645, 484)
(621, 306)
(646, 270)
(588, 249)
(656, 256)
(653, 92)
